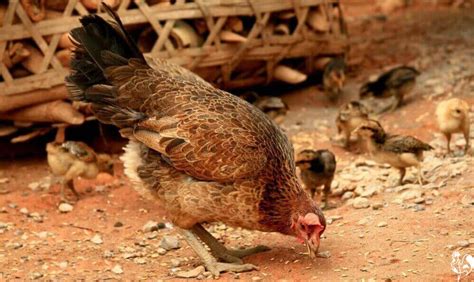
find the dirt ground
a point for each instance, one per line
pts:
(411, 238)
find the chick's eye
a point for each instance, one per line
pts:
(458, 111)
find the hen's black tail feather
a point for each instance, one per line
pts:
(101, 44)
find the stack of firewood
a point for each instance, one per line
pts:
(242, 44)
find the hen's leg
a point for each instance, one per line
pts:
(209, 261)
(220, 251)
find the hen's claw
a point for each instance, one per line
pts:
(219, 267)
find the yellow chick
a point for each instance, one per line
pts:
(73, 159)
(453, 117)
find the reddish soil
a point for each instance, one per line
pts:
(413, 245)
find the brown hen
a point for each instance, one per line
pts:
(203, 153)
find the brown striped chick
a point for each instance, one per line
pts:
(453, 117)
(73, 159)
(350, 116)
(317, 169)
(334, 78)
(396, 150)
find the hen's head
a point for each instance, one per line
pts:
(308, 229)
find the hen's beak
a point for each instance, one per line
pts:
(312, 248)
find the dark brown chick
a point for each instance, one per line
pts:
(351, 116)
(274, 107)
(317, 169)
(334, 78)
(453, 117)
(200, 153)
(73, 159)
(396, 150)
(396, 82)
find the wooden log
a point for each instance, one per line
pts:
(289, 75)
(12, 102)
(31, 135)
(235, 24)
(6, 130)
(229, 36)
(184, 35)
(65, 41)
(33, 62)
(15, 53)
(57, 5)
(35, 9)
(55, 111)
(318, 20)
(64, 56)
(95, 4)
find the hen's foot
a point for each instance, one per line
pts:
(211, 264)
(220, 251)
(235, 255)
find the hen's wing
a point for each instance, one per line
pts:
(205, 132)
(405, 144)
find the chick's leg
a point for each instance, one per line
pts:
(448, 139)
(402, 175)
(468, 145)
(420, 176)
(210, 262)
(220, 251)
(326, 191)
(69, 184)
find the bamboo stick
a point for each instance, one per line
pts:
(12, 102)
(55, 111)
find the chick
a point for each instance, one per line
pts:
(396, 150)
(274, 107)
(73, 159)
(317, 169)
(350, 116)
(334, 78)
(397, 82)
(453, 117)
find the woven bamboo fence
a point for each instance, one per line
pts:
(258, 38)
(230, 43)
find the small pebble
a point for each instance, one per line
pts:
(24, 211)
(325, 254)
(360, 203)
(161, 251)
(257, 278)
(382, 224)
(463, 243)
(117, 269)
(36, 275)
(175, 262)
(65, 207)
(169, 243)
(97, 239)
(377, 205)
(118, 224)
(150, 226)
